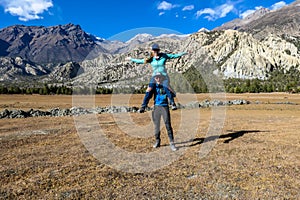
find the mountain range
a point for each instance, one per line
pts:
(246, 48)
(264, 21)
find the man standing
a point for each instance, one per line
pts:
(161, 109)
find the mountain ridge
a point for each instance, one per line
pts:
(67, 54)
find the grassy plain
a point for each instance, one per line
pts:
(255, 156)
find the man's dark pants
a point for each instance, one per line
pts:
(158, 112)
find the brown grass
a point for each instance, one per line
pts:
(257, 155)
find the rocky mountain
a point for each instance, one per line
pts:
(284, 21)
(231, 54)
(43, 45)
(52, 54)
(68, 55)
(239, 23)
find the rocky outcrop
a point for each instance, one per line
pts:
(239, 55)
(13, 68)
(18, 70)
(65, 72)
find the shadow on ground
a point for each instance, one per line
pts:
(229, 137)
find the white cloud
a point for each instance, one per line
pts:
(205, 11)
(26, 9)
(249, 12)
(190, 7)
(166, 6)
(246, 13)
(161, 13)
(278, 5)
(225, 9)
(218, 12)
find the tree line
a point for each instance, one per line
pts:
(67, 90)
(189, 82)
(278, 81)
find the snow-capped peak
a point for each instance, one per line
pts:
(174, 36)
(144, 37)
(203, 30)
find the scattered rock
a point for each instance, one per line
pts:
(76, 111)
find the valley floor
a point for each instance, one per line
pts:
(235, 152)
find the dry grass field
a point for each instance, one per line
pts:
(255, 156)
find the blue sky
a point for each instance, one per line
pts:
(111, 19)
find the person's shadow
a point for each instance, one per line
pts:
(229, 137)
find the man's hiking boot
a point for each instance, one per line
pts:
(157, 144)
(141, 110)
(173, 147)
(174, 107)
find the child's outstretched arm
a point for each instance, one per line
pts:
(138, 61)
(177, 55)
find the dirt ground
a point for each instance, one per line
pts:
(254, 152)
